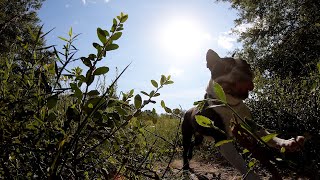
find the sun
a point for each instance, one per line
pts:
(182, 37)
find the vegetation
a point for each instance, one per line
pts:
(17, 19)
(56, 125)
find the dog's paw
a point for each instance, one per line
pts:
(293, 144)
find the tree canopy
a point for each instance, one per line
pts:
(283, 37)
(17, 19)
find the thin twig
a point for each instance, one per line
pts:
(159, 137)
(147, 155)
(175, 149)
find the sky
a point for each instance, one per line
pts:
(169, 37)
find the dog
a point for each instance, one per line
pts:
(236, 78)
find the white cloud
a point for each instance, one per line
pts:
(92, 1)
(226, 41)
(67, 5)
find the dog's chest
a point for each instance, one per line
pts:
(228, 115)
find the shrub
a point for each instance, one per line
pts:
(55, 125)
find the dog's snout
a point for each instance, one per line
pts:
(250, 86)
(244, 87)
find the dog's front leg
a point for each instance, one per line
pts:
(186, 141)
(231, 154)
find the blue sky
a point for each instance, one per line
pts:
(169, 37)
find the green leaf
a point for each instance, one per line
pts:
(151, 93)
(318, 65)
(121, 111)
(51, 117)
(245, 151)
(268, 137)
(86, 61)
(168, 110)
(154, 111)
(90, 105)
(89, 77)
(113, 28)
(77, 91)
(101, 70)
(52, 101)
(44, 48)
(203, 121)
(143, 92)
(116, 36)
(111, 47)
(163, 104)
(92, 57)
(154, 83)
(223, 142)
(163, 79)
(137, 101)
(96, 45)
(81, 78)
(218, 90)
(124, 18)
(119, 29)
(93, 93)
(131, 93)
(19, 38)
(70, 32)
(101, 35)
(283, 150)
(115, 21)
(94, 101)
(176, 111)
(251, 163)
(62, 38)
(156, 94)
(168, 82)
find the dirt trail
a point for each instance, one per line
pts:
(207, 170)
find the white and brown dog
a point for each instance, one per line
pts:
(236, 79)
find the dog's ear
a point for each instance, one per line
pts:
(212, 59)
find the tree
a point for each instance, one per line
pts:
(283, 36)
(17, 19)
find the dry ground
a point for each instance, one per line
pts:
(209, 170)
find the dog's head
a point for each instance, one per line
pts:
(234, 75)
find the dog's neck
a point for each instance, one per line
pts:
(233, 101)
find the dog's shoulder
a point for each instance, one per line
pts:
(213, 115)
